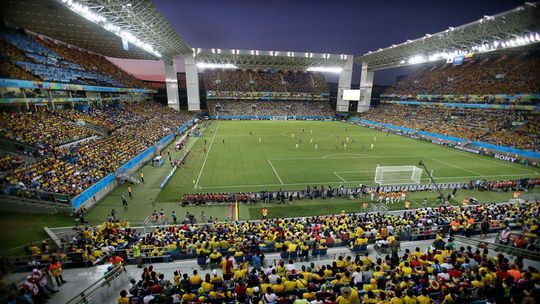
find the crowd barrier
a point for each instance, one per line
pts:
(106, 184)
(519, 152)
(269, 117)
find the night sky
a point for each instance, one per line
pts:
(348, 27)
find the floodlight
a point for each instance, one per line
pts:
(417, 59)
(325, 69)
(204, 65)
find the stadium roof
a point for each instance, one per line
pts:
(512, 28)
(59, 20)
(255, 59)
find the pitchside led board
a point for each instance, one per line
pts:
(351, 95)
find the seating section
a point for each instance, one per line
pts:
(269, 108)
(446, 273)
(134, 127)
(517, 129)
(47, 60)
(42, 129)
(264, 81)
(484, 74)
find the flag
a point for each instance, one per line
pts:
(236, 210)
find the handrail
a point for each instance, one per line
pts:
(527, 254)
(92, 290)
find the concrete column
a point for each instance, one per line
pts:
(192, 84)
(344, 83)
(171, 83)
(366, 85)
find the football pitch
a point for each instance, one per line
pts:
(236, 161)
(262, 155)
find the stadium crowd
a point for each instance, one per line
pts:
(264, 81)
(30, 57)
(492, 126)
(43, 129)
(444, 273)
(269, 108)
(135, 126)
(487, 74)
(278, 234)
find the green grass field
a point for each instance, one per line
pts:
(241, 163)
(244, 164)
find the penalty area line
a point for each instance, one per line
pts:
(277, 175)
(341, 178)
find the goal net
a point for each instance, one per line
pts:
(396, 175)
(279, 117)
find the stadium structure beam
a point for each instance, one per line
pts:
(513, 28)
(192, 84)
(344, 83)
(366, 85)
(171, 84)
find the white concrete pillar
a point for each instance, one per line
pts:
(171, 83)
(344, 83)
(366, 85)
(192, 84)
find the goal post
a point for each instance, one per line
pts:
(398, 175)
(279, 117)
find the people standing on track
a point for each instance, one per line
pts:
(142, 177)
(124, 200)
(129, 191)
(56, 270)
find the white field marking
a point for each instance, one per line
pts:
(277, 175)
(344, 154)
(349, 157)
(206, 157)
(455, 166)
(351, 181)
(339, 176)
(356, 171)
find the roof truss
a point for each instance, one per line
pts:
(524, 20)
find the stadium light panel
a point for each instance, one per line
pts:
(325, 69)
(203, 65)
(417, 59)
(85, 12)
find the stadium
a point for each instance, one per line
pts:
(317, 158)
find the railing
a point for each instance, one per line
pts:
(95, 292)
(519, 252)
(44, 197)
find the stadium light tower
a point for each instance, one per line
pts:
(441, 194)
